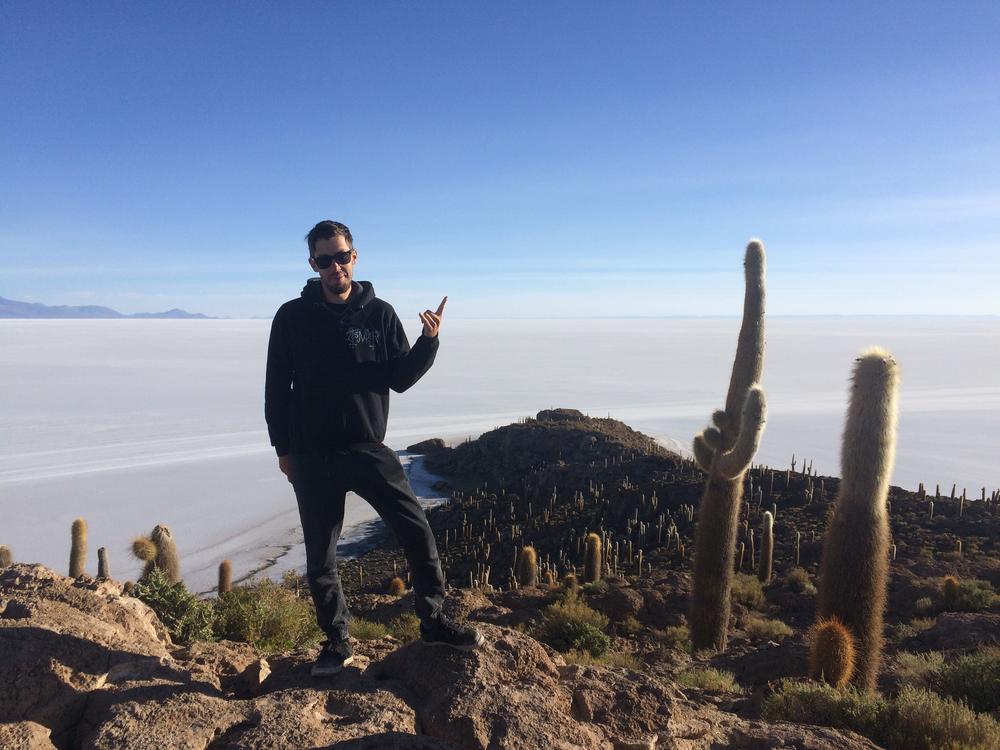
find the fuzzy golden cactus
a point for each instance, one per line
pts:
(396, 586)
(158, 550)
(725, 451)
(831, 652)
(855, 568)
(527, 567)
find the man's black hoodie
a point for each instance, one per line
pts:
(330, 368)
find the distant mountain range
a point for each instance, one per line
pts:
(10, 308)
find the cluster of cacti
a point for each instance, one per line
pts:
(725, 451)
(158, 550)
(855, 565)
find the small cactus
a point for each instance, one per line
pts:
(831, 652)
(592, 560)
(527, 567)
(78, 549)
(397, 587)
(103, 568)
(225, 577)
(6, 556)
(951, 588)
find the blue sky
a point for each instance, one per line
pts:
(527, 159)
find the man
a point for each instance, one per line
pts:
(333, 355)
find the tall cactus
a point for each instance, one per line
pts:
(103, 566)
(766, 549)
(78, 548)
(855, 567)
(725, 452)
(527, 567)
(592, 561)
(6, 556)
(225, 584)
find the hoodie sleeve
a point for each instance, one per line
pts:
(278, 386)
(406, 365)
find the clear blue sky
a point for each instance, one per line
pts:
(525, 158)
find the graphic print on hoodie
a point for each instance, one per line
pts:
(330, 368)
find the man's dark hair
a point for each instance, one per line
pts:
(326, 230)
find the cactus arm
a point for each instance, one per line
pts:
(734, 462)
(749, 360)
(702, 453)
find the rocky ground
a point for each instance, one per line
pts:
(83, 665)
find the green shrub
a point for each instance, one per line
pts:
(760, 628)
(366, 630)
(972, 596)
(916, 670)
(186, 617)
(674, 637)
(573, 626)
(922, 720)
(905, 630)
(798, 581)
(747, 590)
(708, 678)
(629, 626)
(405, 628)
(973, 678)
(267, 616)
(610, 659)
(818, 703)
(915, 720)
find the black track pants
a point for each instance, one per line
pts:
(372, 470)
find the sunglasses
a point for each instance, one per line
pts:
(325, 261)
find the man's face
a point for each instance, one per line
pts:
(336, 278)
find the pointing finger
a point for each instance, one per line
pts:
(440, 309)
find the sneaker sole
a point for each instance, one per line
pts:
(479, 642)
(329, 671)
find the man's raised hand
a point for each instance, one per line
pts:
(432, 320)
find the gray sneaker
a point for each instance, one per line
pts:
(445, 632)
(334, 656)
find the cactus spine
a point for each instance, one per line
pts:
(831, 652)
(103, 568)
(225, 577)
(78, 548)
(855, 566)
(527, 567)
(592, 559)
(766, 549)
(739, 428)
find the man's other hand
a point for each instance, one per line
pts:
(432, 320)
(283, 465)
